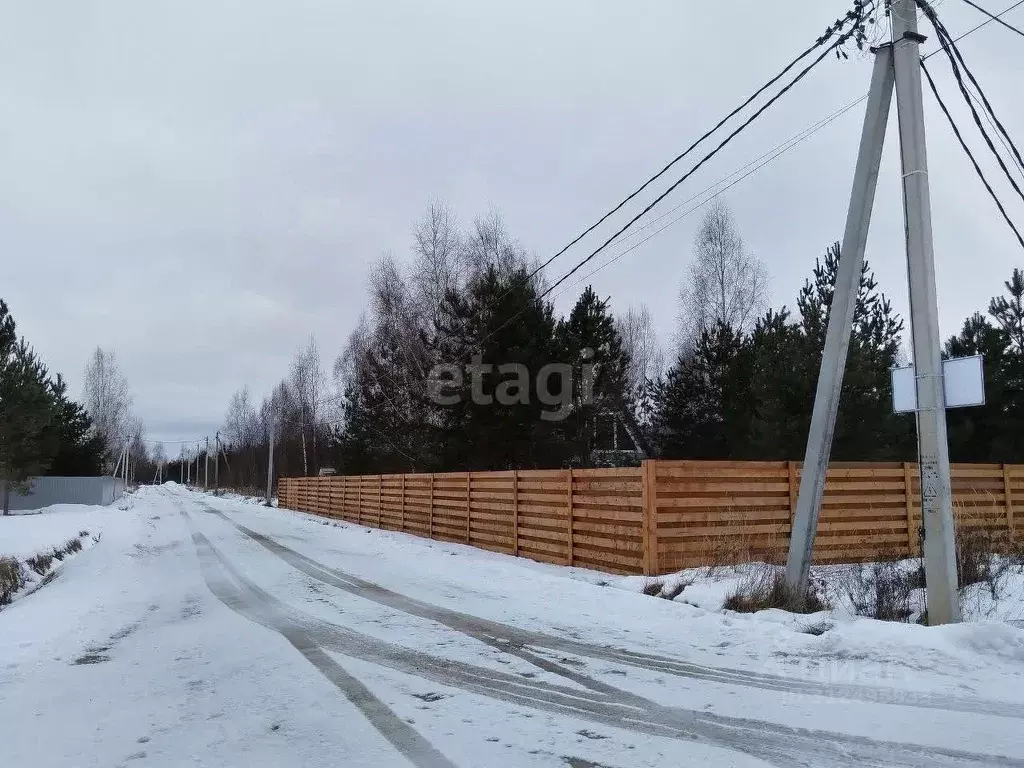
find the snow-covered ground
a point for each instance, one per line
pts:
(25, 534)
(215, 632)
(37, 543)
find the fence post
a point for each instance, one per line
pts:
(794, 491)
(908, 490)
(380, 500)
(569, 516)
(402, 517)
(1008, 492)
(469, 481)
(359, 499)
(515, 512)
(648, 475)
(430, 509)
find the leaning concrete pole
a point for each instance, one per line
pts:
(932, 445)
(840, 322)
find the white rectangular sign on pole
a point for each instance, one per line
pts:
(963, 380)
(904, 390)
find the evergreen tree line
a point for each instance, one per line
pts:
(425, 384)
(42, 430)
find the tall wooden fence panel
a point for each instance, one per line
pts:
(666, 515)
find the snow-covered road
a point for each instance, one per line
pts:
(206, 631)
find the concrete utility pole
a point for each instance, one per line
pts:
(216, 467)
(932, 444)
(270, 468)
(840, 322)
(899, 64)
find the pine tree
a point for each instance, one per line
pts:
(479, 431)
(1009, 313)
(27, 410)
(866, 427)
(77, 450)
(780, 388)
(703, 406)
(979, 434)
(589, 341)
(1009, 316)
(383, 427)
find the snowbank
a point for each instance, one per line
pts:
(34, 545)
(24, 535)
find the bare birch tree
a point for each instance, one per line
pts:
(490, 245)
(307, 383)
(438, 259)
(159, 457)
(397, 320)
(138, 451)
(640, 342)
(241, 428)
(725, 283)
(108, 401)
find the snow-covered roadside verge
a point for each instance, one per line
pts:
(850, 591)
(979, 658)
(34, 546)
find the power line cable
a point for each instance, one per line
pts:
(970, 155)
(953, 55)
(771, 156)
(830, 31)
(784, 146)
(993, 17)
(1002, 140)
(949, 45)
(974, 29)
(842, 39)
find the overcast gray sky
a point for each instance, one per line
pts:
(199, 186)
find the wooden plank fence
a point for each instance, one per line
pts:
(665, 515)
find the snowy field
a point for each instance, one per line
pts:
(211, 631)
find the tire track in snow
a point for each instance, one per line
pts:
(246, 599)
(517, 642)
(777, 744)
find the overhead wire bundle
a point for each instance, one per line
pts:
(858, 15)
(708, 194)
(836, 36)
(960, 68)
